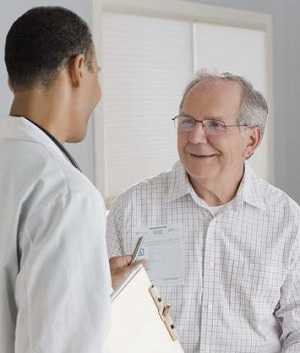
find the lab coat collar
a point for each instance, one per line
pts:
(20, 128)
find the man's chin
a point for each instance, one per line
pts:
(76, 139)
(201, 170)
(201, 175)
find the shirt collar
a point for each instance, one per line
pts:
(179, 183)
(248, 191)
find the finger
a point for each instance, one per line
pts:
(137, 263)
(119, 261)
(140, 262)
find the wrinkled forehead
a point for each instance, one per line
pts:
(215, 98)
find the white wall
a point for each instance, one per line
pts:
(286, 77)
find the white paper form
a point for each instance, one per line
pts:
(163, 249)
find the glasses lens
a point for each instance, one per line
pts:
(214, 127)
(185, 123)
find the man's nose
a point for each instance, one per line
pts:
(198, 134)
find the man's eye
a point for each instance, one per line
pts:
(187, 122)
(214, 124)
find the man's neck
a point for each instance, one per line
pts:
(37, 108)
(217, 192)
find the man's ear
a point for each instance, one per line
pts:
(76, 69)
(253, 140)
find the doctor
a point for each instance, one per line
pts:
(54, 273)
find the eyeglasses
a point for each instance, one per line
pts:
(186, 123)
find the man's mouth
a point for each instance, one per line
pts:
(203, 155)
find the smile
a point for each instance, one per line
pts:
(202, 156)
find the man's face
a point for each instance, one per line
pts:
(213, 157)
(92, 83)
(90, 95)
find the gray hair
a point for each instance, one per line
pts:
(253, 109)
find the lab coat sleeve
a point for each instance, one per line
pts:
(63, 286)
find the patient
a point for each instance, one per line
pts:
(230, 240)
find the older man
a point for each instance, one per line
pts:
(223, 244)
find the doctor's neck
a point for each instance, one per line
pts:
(43, 108)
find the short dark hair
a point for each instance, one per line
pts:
(42, 41)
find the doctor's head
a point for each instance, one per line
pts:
(49, 52)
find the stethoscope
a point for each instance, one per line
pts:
(58, 144)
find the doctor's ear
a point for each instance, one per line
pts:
(253, 140)
(76, 69)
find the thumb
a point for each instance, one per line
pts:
(119, 261)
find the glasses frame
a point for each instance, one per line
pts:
(202, 122)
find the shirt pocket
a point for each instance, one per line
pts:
(255, 285)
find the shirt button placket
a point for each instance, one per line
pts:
(207, 305)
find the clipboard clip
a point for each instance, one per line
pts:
(164, 312)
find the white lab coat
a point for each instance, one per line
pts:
(54, 275)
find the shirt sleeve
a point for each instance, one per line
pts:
(63, 287)
(288, 310)
(114, 229)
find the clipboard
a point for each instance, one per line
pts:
(140, 321)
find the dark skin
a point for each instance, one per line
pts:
(120, 268)
(64, 107)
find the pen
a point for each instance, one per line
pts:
(136, 250)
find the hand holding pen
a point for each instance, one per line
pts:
(121, 266)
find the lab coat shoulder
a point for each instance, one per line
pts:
(40, 184)
(41, 174)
